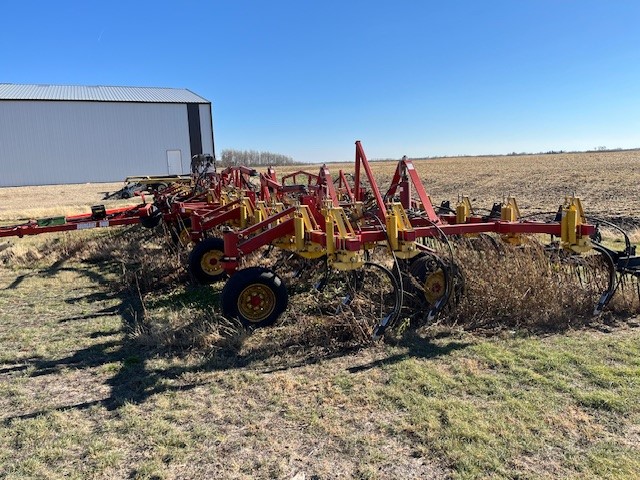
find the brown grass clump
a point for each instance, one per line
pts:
(187, 328)
(526, 287)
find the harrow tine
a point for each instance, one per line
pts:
(378, 331)
(612, 286)
(622, 281)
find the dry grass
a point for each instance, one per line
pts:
(172, 315)
(97, 384)
(526, 287)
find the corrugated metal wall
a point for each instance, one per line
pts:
(75, 142)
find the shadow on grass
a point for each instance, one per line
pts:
(55, 269)
(417, 347)
(134, 380)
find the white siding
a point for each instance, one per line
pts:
(54, 142)
(206, 129)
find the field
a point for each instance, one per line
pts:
(113, 366)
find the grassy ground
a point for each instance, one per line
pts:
(85, 392)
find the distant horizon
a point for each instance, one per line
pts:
(491, 154)
(516, 154)
(435, 157)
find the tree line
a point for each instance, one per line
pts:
(253, 158)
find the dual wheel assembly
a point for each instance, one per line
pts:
(256, 296)
(370, 297)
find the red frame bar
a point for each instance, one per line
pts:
(361, 160)
(114, 217)
(406, 171)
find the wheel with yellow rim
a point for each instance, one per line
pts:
(256, 296)
(205, 261)
(435, 282)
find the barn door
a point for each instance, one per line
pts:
(174, 162)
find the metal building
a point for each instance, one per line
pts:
(55, 134)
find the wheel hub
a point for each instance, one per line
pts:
(434, 286)
(211, 264)
(256, 302)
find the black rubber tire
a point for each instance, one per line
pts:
(260, 280)
(410, 261)
(153, 220)
(451, 277)
(423, 267)
(208, 246)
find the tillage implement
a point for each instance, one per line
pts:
(376, 254)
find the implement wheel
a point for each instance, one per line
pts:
(205, 261)
(256, 296)
(154, 218)
(429, 272)
(436, 282)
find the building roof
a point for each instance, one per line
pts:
(98, 93)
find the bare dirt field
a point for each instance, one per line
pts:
(113, 365)
(23, 203)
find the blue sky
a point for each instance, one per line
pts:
(308, 78)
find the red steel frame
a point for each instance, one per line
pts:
(113, 217)
(207, 214)
(243, 242)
